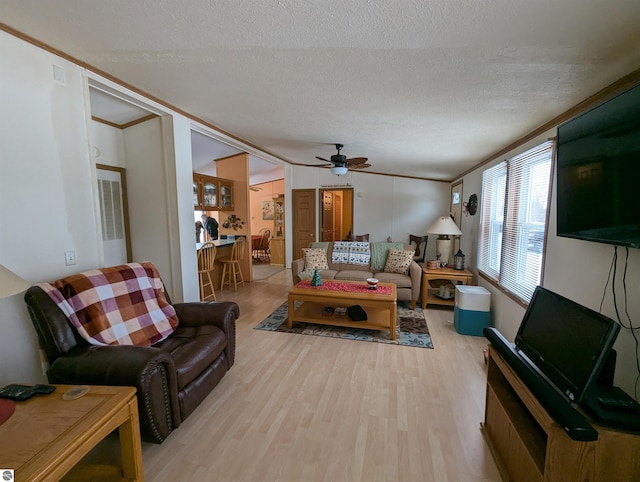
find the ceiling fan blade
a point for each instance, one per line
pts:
(311, 165)
(360, 166)
(357, 160)
(323, 159)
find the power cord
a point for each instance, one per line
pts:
(613, 272)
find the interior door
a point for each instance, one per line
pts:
(113, 215)
(304, 219)
(327, 216)
(336, 214)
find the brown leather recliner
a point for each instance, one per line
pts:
(172, 377)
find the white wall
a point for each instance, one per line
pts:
(575, 269)
(157, 153)
(579, 270)
(109, 142)
(46, 188)
(384, 206)
(148, 200)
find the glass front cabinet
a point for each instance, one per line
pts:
(226, 194)
(212, 193)
(278, 240)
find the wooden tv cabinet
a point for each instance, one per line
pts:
(529, 446)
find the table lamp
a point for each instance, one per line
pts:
(444, 227)
(10, 283)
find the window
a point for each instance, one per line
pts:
(512, 223)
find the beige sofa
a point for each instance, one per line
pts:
(408, 286)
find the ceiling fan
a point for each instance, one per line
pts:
(340, 163)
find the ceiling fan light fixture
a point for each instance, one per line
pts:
(339, 170)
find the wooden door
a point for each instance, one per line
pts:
(304, 219)
(327, 216)
(337, 217)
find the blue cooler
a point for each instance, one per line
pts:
(471, 309)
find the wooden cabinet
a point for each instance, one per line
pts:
(529, 445)
(212, 193)
(226, 194)
(276, 245)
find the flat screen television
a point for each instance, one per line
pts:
(598, 165)
(566, 342)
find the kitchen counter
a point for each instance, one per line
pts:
(219, 243)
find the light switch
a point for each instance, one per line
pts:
(70, 258)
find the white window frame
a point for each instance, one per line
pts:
(513, 220)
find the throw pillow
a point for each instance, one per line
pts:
(398, 261)
(315, 258)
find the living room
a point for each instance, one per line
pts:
(48, 208)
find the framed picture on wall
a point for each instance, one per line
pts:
(267, 210)
(456, 203)
(456, 211)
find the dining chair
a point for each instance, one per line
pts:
(231, 269)
(262, 252)
(360, 237)
(421, 250)
(206, 265)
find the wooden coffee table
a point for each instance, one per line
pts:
(47, 436)
(381, 309)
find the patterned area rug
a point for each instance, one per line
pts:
(412, 328)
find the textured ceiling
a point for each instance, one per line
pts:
(425, 89)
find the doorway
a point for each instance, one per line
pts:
(304, 219)
(114, 214)
(336, 214)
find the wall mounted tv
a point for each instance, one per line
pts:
(598, 159)
(566, 342)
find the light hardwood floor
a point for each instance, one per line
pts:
(309, 408)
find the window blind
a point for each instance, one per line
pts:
(513, 220)
(491, 220)
(525, 220)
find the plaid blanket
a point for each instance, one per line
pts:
(120, 305)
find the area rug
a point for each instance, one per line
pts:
(412, 328)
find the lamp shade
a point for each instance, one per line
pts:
(10, 283)
(445, 225)
(339, 170)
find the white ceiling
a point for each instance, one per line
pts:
(421, 88)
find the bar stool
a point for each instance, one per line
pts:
(231, 270)
(206, 264)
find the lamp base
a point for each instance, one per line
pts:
(443, 249)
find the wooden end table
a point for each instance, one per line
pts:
(428, 296)
(47, 436)
(381, 309)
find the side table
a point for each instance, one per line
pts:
(428, 296)
(47, 436)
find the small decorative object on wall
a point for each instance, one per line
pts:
(471, 206)
(456, 204)
(267, 210)
(233, 222)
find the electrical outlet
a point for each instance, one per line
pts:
(70, 258)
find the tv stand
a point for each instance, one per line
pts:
(528, 445)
